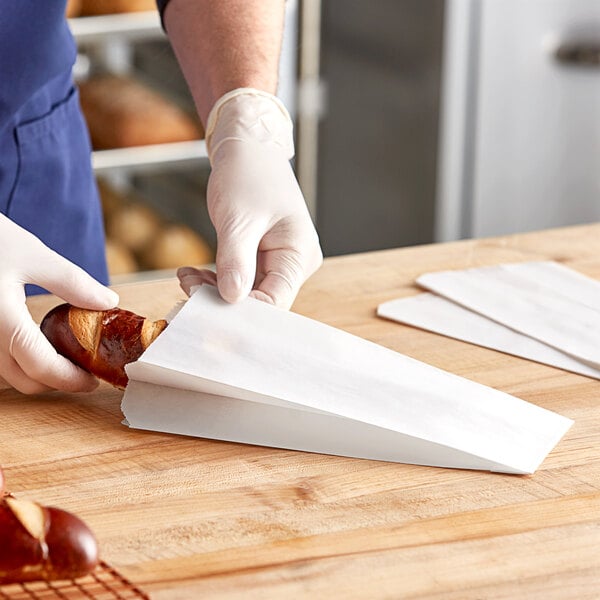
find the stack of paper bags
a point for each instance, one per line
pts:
(542, 311)
(255, 374)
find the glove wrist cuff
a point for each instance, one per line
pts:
(248, 114)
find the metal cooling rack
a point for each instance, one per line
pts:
(104, 583)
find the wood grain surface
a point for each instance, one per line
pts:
(191, 518)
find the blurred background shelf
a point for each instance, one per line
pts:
(414, 121)
(151, 168)
(141, 159)
(132, 26)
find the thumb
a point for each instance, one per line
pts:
(236, 261)
(70, 282)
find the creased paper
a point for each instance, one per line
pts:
(439, 315)
(543, 300)
(253, 373)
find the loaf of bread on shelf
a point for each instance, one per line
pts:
(122, 112)
(111, 199)
(43, 543)
(101, 342)
(119, 258)
(176, 246)
(73, 8)
(104, 7)
(136, 230)
(134, 225)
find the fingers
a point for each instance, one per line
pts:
(71, 283)
(28, 361)
(277, 289)
(273, 288)
(16, 378)
(33, 365)
(284, 274)
(190, 277)
(286, 258)
(236, 261)
(283, 270)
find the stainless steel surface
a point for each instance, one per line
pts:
(309, 101)
(381, 62)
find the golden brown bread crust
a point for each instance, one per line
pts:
(105, 7)
(122, 112)
(119, 258)
(73, 8)
(101, 342)
(40, 542)
(176, 245)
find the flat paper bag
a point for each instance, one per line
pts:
(253, 373)
(437, 314)
(544, 300)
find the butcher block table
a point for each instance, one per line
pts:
(193, 518)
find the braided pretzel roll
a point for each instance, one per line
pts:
(40, 542)
(101, 342)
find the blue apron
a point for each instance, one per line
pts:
(46, 180)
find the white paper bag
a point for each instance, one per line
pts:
(253, 373)
(437, 314)
(543, 300)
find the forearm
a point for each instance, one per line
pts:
(222, 45)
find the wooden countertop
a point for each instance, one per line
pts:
(191, 518)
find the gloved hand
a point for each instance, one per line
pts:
(27, 360)
(267, 245)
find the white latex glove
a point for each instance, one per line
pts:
(28, 362)
(267, 245)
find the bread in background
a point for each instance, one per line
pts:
(119, 259)
(134, 225)
(122, 112)
(138, 238)
(176, 246)
(106, 7)
(73, 8)
(110, 199)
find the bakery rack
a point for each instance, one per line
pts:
(112, 37)
(133, 26)
(147, 158)
(130, 44)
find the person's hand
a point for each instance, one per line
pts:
(267, 245)
(28, 362)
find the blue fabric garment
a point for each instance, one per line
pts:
(46, 179)
(162, 6)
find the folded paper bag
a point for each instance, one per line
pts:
(256, 374)
(543, 300)
(436, 313)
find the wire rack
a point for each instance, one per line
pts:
(104, 583)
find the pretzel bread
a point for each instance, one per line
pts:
(40, 542)
(101, 342)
